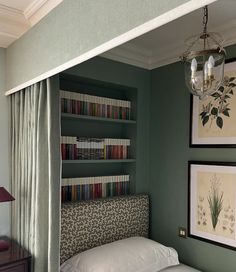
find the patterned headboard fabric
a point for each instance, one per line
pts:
(88, 224)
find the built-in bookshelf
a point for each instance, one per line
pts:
(98, 138)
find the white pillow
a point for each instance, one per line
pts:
(135, 254)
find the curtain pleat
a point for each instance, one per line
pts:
(36, 171)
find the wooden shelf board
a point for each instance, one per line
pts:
(94, 118)
(97, 161)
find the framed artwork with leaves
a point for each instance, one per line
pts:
(213, 120)
(211, 199)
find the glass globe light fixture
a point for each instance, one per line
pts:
(204, 62)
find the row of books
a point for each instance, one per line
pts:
(77, 148)
(84, 104)
(76, 189)
(69, 148)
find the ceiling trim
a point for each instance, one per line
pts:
(141, 57)
(12, 14)
(12, 25)
(38, 9)
(129, 54)
(17, 22)
(9, 11)
(158, 62)
(33, 7)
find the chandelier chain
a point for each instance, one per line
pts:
(205, 20)
(204, 61)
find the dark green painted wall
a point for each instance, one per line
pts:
(169, 155)
(163, 128)
(122, 74)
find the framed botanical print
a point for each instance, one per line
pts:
(213, 120)
(212, 202)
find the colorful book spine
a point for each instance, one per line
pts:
(96, 149)
(86, 188)
(77, 148)
(84, 104)
(68, 148)
(117, 148)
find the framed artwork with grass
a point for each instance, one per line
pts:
(212, 202)
(213, 120)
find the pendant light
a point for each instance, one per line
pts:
(204, 61)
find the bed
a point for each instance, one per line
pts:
(111, 235)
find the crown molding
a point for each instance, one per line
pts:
(141, 57)
(130, 53)
(38, 9)
(14, 22)
(11, 14)
(8, 10)
(12, 25)
(165, 59)
(33, 8)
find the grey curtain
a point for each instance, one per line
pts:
(35, 139)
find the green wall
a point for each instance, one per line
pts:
(74, 27)
(169, 155)
(123, 74)
(4, 143)
(163, 153)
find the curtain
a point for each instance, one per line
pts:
(35, 157)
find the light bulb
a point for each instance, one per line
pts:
(194, 65)
(211, 64)
(193, 68)
(205, 70)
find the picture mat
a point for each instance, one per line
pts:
(203, 135)
(219, 171)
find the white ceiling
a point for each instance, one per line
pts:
(165, 44)
(18, 16)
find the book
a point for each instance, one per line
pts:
(84, 104)
(85, 188)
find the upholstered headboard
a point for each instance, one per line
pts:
(87, 224)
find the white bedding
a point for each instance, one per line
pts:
(135, 254)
